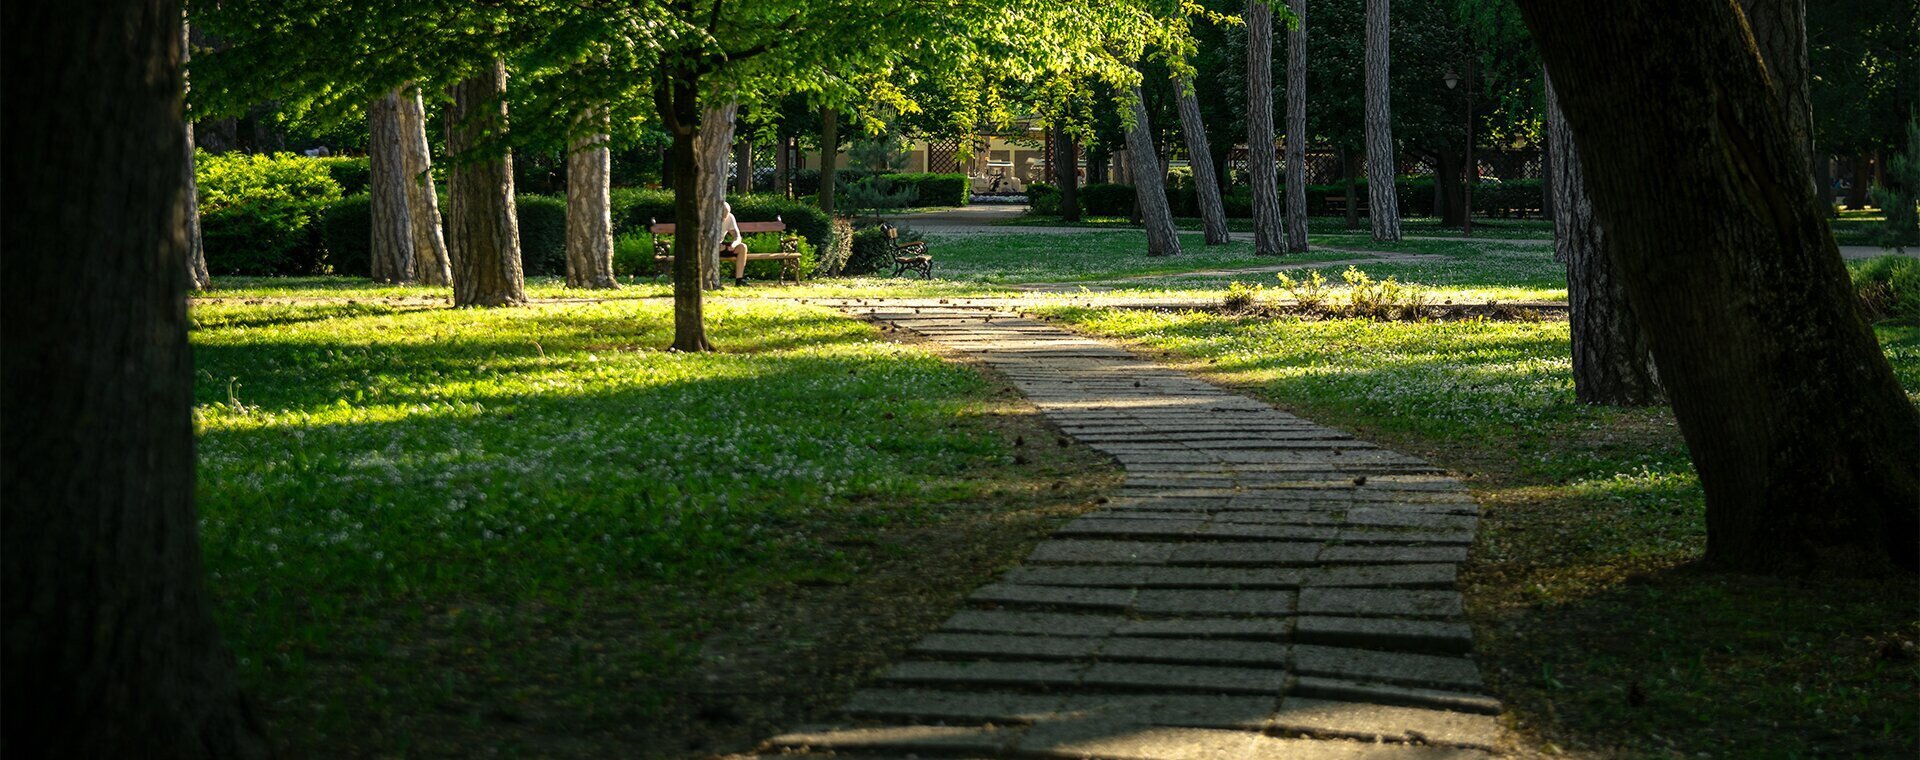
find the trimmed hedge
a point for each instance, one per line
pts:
(871, 252)
(347, 235)
(635, 208)
(1107, 199)
(352, 173)
(259, 214)
(929, 189)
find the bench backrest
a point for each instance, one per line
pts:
(746, 228)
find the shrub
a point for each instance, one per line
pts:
(935, 189)
(1107, 199)
(1899, 196)
(351, 172)
(1309, 292)
(806, 182)
(259, 213)
(875, 195)
(1889, 288)
(633, 255)
(635, 208)
(870, 252)
(1241, 296)
(348, 235)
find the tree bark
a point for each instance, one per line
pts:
(1611, 362)
(110, 647)
(783, 168)
(1447, 203)
(829, 155)
(589, 207)
(1780, 31)
(1066, 172)
(743, 167)
(1150, 183)
(197, 276)
(1383, 200)
(710, 150)
(678, 101)
(1296, 184)
(1206, 185)
(430, 263)
(483, 232)
(1262, 170)
(1803, 439)
(392, 246)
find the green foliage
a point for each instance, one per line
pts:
(1043, 199)
(1242, 296)
(870, 252)
(351, 172)
(346, 234)
(633, 255)
(635, 208)
(1309, 291)
(1898, 197)
(885, 153)
(259, 213)
(1889, 288)
(876, 195)
(543, 233)
(1107, 199)
(933, 189)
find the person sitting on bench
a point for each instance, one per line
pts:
(731, 227)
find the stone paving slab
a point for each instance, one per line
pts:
(1258, 587)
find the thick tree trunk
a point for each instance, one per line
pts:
(1350, 170)
(430, 263)
(743, 167)
(1823, 182)
(1780, 31)
(1066, 172)
(1806, 445)
(1150, 184)
(483, 232)
(197, 276)
(1383, 158)
(1611, 363)
(679, 105)
(782, 168)
(392, 246)
(1206, 186)
(110, 648)
(710, 149)
(1269, 235)
(829, 154)
(1447, 203)
(1296, 184)
(589, 208)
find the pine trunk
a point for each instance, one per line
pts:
(679, 105)
(1804, 441)
(783, 168)
(1150, 183)
(1296, 184)
(110, 649)
(743, 167)
(1206, 184)
(589, 210)
(829, 154)
(430, 264)
(1383, 201)
(1780, 31)
(1611, 363)
(1066, 172)
(1269, 235)
(197, 276)
(483, 232)
(710, 151)
(392, 245)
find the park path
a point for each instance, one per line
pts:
(1259, 587)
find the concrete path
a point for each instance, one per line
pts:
(1259, 587)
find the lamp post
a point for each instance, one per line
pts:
(1472, 172)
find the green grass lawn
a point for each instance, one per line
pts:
(532, 531)
(1324, 225)
(1017, 258)
(1584, 585)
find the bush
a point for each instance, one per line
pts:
(1107, 199)
(635, 208)
(259, 214)
(806, 182)
(633, 256)
(1889, 288)
(352, 173)
(543, 233)
(870, 252)
(348, 235)
(935, 189)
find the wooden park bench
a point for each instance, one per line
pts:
(789, 255)
(910, 256)
(1336, 205)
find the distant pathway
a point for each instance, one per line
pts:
(1260, 587)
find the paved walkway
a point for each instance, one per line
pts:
(1259, 587)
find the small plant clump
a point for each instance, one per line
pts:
(1362, 298)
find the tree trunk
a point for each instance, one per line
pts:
(392, 245)
(1350, 169)
(1066, 172)
(1780, 31)
(783, 168)
(829, 155)
(1611, 363)
(1296, 184)
(1447, 203)
(1383, 201)
(679, 106)
(483, 232)
(1150, 183)
(1804, 441)
(743, 167)
(197, 276)
(1823, 181)
(1206, 185)
(589, 208)
(110, 644)
(430, 264)
(1268, 233)
(710, 149)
